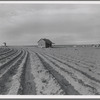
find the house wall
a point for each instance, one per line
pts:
(41, 43)
(48, 45)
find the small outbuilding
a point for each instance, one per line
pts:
(5, 44)
(44, 43)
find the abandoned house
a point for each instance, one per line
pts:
(44, 43)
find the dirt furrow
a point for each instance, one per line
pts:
(27, 85)
(97, 79)
(46, 83)
(7, 59)
(76, 60)
(5, 68)
(6, 76)
(66, 86)
(6, 52)
(91, 86)
(8, 55)
(76, 79)
(10, 62)
(17, 77)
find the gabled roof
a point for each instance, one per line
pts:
(46, 40)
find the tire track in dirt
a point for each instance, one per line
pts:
(66, 86)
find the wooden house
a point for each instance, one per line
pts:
(44, 43)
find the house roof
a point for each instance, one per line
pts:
(46, 40)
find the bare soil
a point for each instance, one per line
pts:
(50, 71)
(28, 85)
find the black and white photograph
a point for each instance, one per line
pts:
(49, 48)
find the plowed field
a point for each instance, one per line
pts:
(49, 71)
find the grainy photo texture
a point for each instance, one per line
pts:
(49, 49)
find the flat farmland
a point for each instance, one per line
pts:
(50, 71)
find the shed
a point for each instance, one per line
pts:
(44, 43)
(5, 44)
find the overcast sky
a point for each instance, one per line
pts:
(25, 24)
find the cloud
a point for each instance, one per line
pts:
(62, 23)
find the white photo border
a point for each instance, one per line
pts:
(50, 96)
